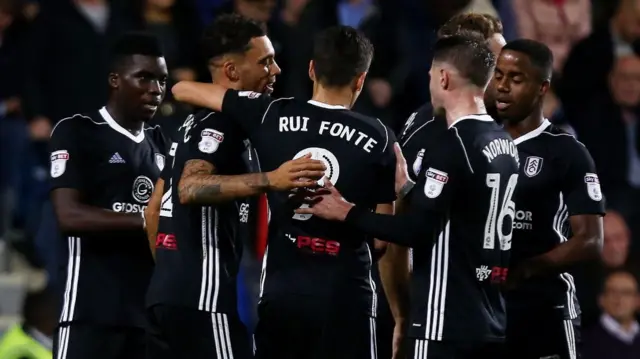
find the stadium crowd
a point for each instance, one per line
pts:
(54, 59)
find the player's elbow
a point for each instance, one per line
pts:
(69, 218)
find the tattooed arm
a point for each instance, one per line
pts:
(200, 185)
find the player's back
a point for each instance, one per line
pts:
(107, 272)
(198, 249)
(308, 255)
(456, 281)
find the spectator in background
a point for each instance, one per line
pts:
(584, 74)
(559, 24)
(175, 24)
(68, 58)
(13, 130)
(615, 256)
(608, 125)
(259, 10)
(33, 338)
(617, 335)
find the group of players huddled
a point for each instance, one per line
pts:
(474, 212)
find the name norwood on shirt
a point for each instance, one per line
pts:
(335, 129)
(500, 146)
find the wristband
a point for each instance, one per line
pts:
(405, 189)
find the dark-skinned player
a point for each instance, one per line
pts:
(559, 209)
(103, 167)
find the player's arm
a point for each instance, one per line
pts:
(152, 215)
(245, 107)
(199, 183)
(584, 200)
(68, 182)
(380, 247)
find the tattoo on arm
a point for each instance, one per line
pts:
(200, 185)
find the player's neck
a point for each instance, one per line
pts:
(533, 121)
(333, 97)
(129, 123)
(465, 105)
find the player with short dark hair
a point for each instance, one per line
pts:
(558, 193)
(192, 296)
(459, 214)
(317, 295)
(103, 167)
(420, 131)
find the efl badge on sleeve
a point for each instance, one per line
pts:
(435, 182)
(59, 163)
(249, 94)
(593, 186)
(532, 166)
(210, 140)
(160, 161)
(417, 164)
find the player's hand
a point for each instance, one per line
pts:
(402, 174)
(398, 348)
(326, 203)
(297, 173)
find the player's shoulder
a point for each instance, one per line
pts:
(374, 123)
(563, 143)
(79, 123)
(420, 122)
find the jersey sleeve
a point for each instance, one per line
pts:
(442, 169)
(66, 156)
(581, 188)
(386, 176)
(214, 141)
(247, 108)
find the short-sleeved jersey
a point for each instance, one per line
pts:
(467, 179)
(108, 271)
(198, 248)
(421, 129)
(307, 255)
(558, 180)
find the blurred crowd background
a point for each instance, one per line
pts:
(54, 57)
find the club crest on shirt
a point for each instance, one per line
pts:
(593, 186)
(532, 166)
(210, 140)
(59, 163)
(435, 182)
(417, 164)
(160, 161)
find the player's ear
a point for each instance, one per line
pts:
(114, 80)
(231, 70)
(546, 86)
(359, 83)
(444, 79)
(312, 71)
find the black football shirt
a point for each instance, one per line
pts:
(198, 248)
(107, 272)
(467, 180)
(421, 129)
(306, 255)
(558, 180)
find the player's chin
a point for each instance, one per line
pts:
(148, 111)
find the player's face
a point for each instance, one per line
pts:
(517, 85)
(142, 84)
(620, 298)
(436, 82)
(496, 43)
(259, 69)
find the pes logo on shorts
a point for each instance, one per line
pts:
(142, 189)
